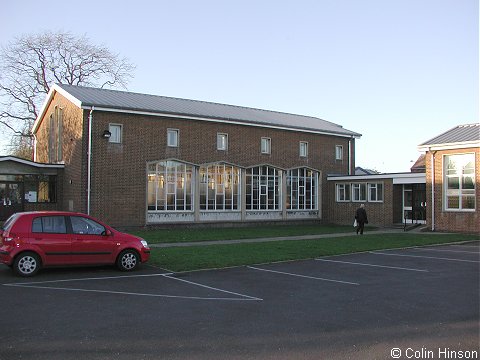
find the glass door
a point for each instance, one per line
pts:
(407, 204)
(11, 200)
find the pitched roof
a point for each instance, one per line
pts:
(114, 100)
(461, 134)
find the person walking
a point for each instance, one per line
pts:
(361, 217)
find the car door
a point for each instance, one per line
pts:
(90, 243)
(49, 234)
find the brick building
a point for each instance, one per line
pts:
(452, 163)
(389, 198)
(135, 159)
(441, 190)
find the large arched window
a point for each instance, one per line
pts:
(219, 187)
(302, 189)
(170, 186)
(263, 184)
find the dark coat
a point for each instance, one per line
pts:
(361, 215)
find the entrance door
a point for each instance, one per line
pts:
(11, 200)
(414, 204)
(407, 204)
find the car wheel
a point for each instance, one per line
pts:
(128, 260)
(27, 264)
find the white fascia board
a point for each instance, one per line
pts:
(398, 178)
(449, 146)
(416, 178)
(48, 99)
(32, 163)
(219, 121)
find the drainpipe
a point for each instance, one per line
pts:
(89, 159)
(432, 170)
(34, 147)
(350, 156)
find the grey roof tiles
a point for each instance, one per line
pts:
(135, 102)
(459, 134)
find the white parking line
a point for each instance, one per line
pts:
(212, 288)
(445, 250)
(373, 265)
(86, 279)
(425, 257)
(303, 276)
(466, 246)
(37, 285)
(134, 294)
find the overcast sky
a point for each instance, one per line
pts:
(397, 71)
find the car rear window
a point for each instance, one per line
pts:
(8, 224)
(49, 224)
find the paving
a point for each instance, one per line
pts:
(270, 239)
(402, 303)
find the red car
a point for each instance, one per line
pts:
(31, 240)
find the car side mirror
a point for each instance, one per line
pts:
(108, 233)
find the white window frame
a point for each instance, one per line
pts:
(375, 192)
(302, 189)
(220, 188)
(461, 193)
(170, 186)
(263, 188)
(115, 139)
(222, 141)
(345, 190)
(303, 149)
(266, 145)
(359, 186)
(338, 152)
(176, 133)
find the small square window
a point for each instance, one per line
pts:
(303, 149)
(116, 133)
(222, 141)
(339, 152)
(172, 137)
(266, 145)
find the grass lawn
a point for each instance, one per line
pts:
(219, 256)
(192, 235)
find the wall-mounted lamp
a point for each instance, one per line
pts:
(106, 134)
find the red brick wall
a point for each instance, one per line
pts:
(119, 170)
(379, 213)
(448, 220)
(74, 152)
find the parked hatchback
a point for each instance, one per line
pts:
(31, 240)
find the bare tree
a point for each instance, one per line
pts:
(31, 64)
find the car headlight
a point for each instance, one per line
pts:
(144, 243)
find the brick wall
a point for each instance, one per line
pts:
(379, 213)
(448, 220)
(73, 196)
(119, 170)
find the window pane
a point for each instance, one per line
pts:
(459, 181)
(172, 138)
(222, 141)
(116, 133)
(86, 226)
(54, 224)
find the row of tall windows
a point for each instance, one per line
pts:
(358, 192)
(171, 187)
(55, 136)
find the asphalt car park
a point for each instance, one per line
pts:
(385, 304)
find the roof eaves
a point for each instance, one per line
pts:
(347, 133)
